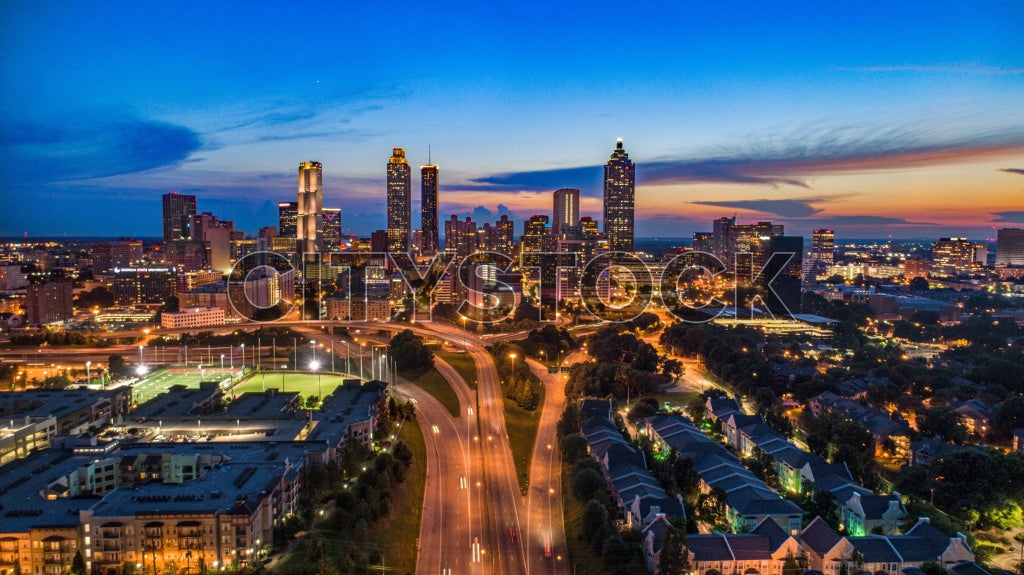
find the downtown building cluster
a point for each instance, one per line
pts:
(172, 485)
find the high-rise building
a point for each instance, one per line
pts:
(178, 212)
(109, 255)
(1010, 247)
(11, 277)
(142, 285)
(619, 198)
(723, 244)
(332, 229)
(704, 242)
(952, 257)
(48, 303)
(287, 218)
(216, 237)
(566, 212)
(823, 247)
(428, 218)
(309, 219)
(783, 270)
(399, 202)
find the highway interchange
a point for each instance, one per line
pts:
(475, 520)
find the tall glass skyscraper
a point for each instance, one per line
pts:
(619, 198)
(428, 218)
(309, 221)
(287, 219)
(399, 202)
(566, 211)
(178, 212)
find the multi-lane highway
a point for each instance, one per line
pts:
(475, 520)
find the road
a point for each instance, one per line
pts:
(546, 546)
(475, 520)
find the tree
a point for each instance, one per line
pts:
(570, 420)
(78, 564)
(117, 366)
(594, 516)
(643, 409)
(674, 556)
(942, 420)
(525, 395)
(586, 483)
(410, 352)
(574, 447)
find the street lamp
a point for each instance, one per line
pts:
(513, 356)
(463, 318)
(243, 357)
(222, 361)
(362, 373)
(315, 366)
(348, 356)
(88, 375)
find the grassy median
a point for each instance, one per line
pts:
(401, 529)
(432, 382)
(463, 363)
(522, 425)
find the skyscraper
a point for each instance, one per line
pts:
(619, 197)
(332, 229)
(48, 303)
(309, 219)
(783, 275)
(823, 247)
(1010, 247)
(287, 219)
(566, 211)
(178, 212)
(428, 217)
(399, 202)
(952, 257)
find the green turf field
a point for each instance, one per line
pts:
(163, 379)
(288, 381)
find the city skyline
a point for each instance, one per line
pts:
(897, 120)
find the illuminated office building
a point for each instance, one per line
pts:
(309, 218)
(566, 212)
(619, 198)
(399, 202)
(428, 219)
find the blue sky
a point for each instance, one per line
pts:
(872, 118)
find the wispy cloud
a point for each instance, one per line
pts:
(61, 149)
(868, 221)
(788, 159)
(1009, 217)
(953, 68)
(785, 208)
(1018, 171)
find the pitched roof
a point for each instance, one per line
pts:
(924, 528)
(875, 506)
(875, 549)
(819, 536)
(968, 568)
(769, 528)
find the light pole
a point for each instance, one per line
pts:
(88, 374)
(362, 372)
(315, 366)
(142, 361)
(513, 356)
(348, 361)
(222, 361)
(463, 332)
(243, 357)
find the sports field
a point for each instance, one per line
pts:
(305, 383)
(162, 379)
